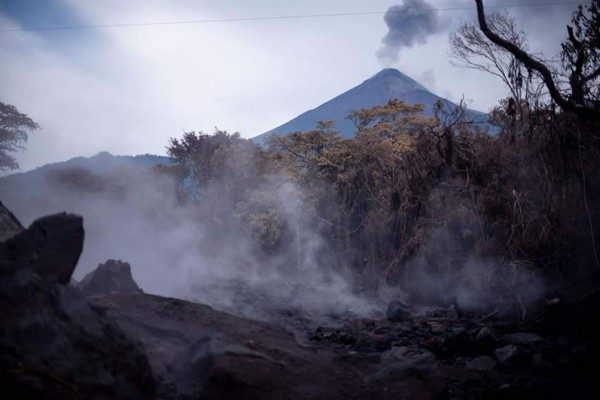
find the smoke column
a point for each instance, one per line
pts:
(408, 24)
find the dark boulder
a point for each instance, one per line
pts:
(53, 343)
(506, 354)
(51, 246)
(9, 224)
(112, 276)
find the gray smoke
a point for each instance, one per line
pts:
(408, 24)
(191, 250)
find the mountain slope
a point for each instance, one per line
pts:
(385, 85)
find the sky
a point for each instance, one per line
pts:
(143, 71)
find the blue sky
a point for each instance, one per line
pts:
(128, 89)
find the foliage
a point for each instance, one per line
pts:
(201, 159)
(14, 129)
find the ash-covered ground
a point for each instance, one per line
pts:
(104, 338)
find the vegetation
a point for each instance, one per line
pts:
(14, 129)
(380, 199)
(408, 186)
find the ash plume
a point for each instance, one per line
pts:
(408, 24)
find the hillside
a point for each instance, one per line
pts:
(33, 183)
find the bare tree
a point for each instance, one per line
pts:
(581, 53)
(471, 49)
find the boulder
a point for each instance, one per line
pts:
(53, 343)
(112, 276)
(506, 354)
(51, 247)
(9, 224)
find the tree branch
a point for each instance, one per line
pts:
(533, 64)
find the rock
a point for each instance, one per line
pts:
(53, 343)
(51, 246)
(521, 338)
(505, 354)
(396, 312)
(9, 224)
(112, 276)
(485, 333)
(482, 363)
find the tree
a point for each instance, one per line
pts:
(389, 120)
(580, 56)
(14, 129)
(470, 48)
(302, 153)
(222, 160)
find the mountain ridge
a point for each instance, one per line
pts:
(32, 182)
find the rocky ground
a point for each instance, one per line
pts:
(105, 338)
(432, 353)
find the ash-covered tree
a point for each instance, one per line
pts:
(202, 160)
(14, 132)
(368, 191)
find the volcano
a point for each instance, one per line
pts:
(387, 84)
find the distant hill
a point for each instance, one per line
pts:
(385, 85)
(33, 183)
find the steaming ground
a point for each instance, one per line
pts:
(135, 217)
(199, 252)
